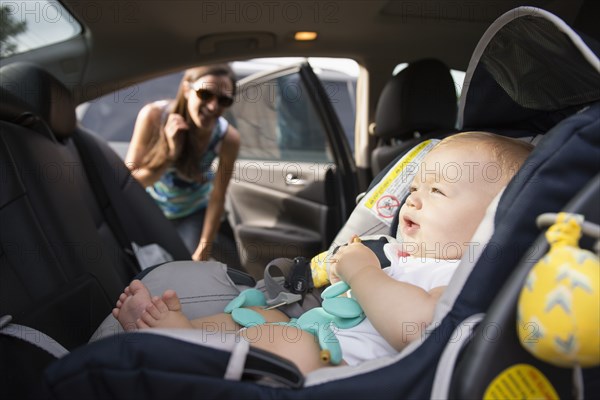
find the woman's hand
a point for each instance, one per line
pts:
(175, 130)
(202, 252)
(350, 259)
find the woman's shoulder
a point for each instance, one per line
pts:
(228, 144)
(156, 110)
(222, 126)
(231, 134)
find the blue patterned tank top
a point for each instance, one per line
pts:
(178, 196)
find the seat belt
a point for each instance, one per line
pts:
(32, 336)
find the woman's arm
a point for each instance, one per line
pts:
(216, 203)
(147, 127)
(399, 311)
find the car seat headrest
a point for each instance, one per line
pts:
(420, 98)
(45, 95)
(11, 107)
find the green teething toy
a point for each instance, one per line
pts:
(247, 317)
(335, 290)
(322, 322)
(247, 298)
(335, 313)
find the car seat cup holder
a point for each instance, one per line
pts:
(558, 315)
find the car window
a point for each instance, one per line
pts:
(28, 25)
(113, 116)
(342, 95)
(278, 122)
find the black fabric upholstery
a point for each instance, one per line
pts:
(140, 219)
(62, 265)
(420, 98)
(11, 107)
(416, 104)
(46, 96)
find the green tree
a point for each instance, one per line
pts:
(9, 28)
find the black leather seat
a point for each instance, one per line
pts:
(418, 103)
(64, 250)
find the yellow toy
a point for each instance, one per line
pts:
(558, 319)
(318, 266)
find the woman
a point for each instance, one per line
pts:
(172, 151)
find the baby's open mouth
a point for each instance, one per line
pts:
(410, 226)
(409, 222)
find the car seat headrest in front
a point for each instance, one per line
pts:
(420, 98)
(12, 108)
(47, 97)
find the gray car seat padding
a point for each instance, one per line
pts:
(204, 289)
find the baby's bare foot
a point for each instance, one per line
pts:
(131, 304)
(164, 312)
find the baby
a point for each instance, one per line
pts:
(448, 198)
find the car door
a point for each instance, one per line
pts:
(294, 182)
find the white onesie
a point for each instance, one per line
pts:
(363, 342)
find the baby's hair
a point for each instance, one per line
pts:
(509, 153)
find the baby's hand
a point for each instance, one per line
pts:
(350, 259)
(332, 264)
(333, 260)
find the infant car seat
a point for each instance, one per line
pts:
(563, 107)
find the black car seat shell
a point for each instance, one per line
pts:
(417, 103)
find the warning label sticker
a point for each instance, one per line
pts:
(387, 205)
(384, 199)
(521, 381)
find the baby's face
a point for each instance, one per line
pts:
(448, 199)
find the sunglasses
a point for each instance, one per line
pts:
(207, 95)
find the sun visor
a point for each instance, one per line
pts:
(528, 65)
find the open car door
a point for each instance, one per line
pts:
(295, 182)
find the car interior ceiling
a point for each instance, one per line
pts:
(379, 21)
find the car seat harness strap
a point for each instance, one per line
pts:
(32, 336)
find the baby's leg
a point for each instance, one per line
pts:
(289, 342)
(131, 304)
(166, 312)
(285, 341)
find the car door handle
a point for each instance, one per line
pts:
(291, 179)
